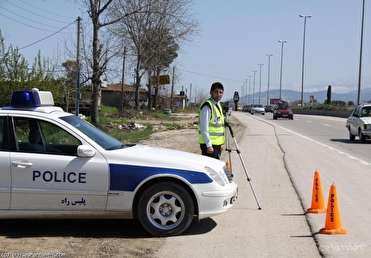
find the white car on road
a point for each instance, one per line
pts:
(55, 165)
(257, 108)
(359, 123)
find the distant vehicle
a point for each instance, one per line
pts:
(226, 107)
(269, 108)
(246, 108)
(359, 123)
(274, 101)
(257, 108)
(283, 111)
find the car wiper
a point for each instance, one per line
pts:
(116, 147)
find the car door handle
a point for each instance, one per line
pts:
(22, 164)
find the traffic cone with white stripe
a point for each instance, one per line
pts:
(333, 221)
(318, 203)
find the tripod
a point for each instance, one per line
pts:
(242, 161)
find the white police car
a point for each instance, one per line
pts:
(54, 164)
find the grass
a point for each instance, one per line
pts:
(110, 119)
(133, 136)
(173, 126)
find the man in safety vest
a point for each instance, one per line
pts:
(211, 123)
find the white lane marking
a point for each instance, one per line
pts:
(323, 145)
(326, 125)
(329, 147)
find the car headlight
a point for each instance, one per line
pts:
(217, 177)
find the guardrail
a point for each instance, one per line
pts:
(343, 114)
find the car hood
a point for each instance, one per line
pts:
(258, 108)
(284, 110)
(366, 120)
(143, 155)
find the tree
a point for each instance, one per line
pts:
(71, 67)
(350, 103)
(159, 50)
(170, 18)
(328, 100)
(97, 10)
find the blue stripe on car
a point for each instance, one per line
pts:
(128, 177)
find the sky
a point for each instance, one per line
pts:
(233, 38)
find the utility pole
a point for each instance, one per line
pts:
(360, 55)
(172, 89)
(303, 58)
(269, 76)
(260, 80)
(77, 108)
(123, 80)
(249, 89)
(253, 91)
(246, 92)
(282, 43)
(190, 93)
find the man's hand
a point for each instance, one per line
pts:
(210, 150)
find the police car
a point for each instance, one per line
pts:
(55, 165)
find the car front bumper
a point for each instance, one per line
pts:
(212, 202)
(366, 132)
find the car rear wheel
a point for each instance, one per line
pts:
(165, 209)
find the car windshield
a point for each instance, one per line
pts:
(366, 112)
(104, 140)
(258, 106)
(283, 105)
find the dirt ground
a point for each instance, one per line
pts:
(93, 238)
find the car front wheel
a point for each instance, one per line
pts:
(351, 136)
(362, 137)
(165, 209)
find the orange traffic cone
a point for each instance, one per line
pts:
(333, 221)
(318, 204)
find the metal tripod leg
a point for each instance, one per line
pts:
(247, 174)
(244, 166)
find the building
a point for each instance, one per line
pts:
(111, 96)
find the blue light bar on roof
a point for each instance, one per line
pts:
(25, 99)
(32, 99)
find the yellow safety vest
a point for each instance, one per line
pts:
(216, 123)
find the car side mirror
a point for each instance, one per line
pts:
(85, 151)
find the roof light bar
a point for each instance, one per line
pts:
(31, 99)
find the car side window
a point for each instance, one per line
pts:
(365, 112)
(39, 136)
(355, 112)
(4, 143)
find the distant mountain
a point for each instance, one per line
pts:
(320, 96)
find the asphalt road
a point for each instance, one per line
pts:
(327, 130)
(311, 143)
(280, 229)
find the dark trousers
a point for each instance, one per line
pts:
(216, 154)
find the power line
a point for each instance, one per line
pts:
(45, 10)
(48, 36)
(25, 24)
(26, 18)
